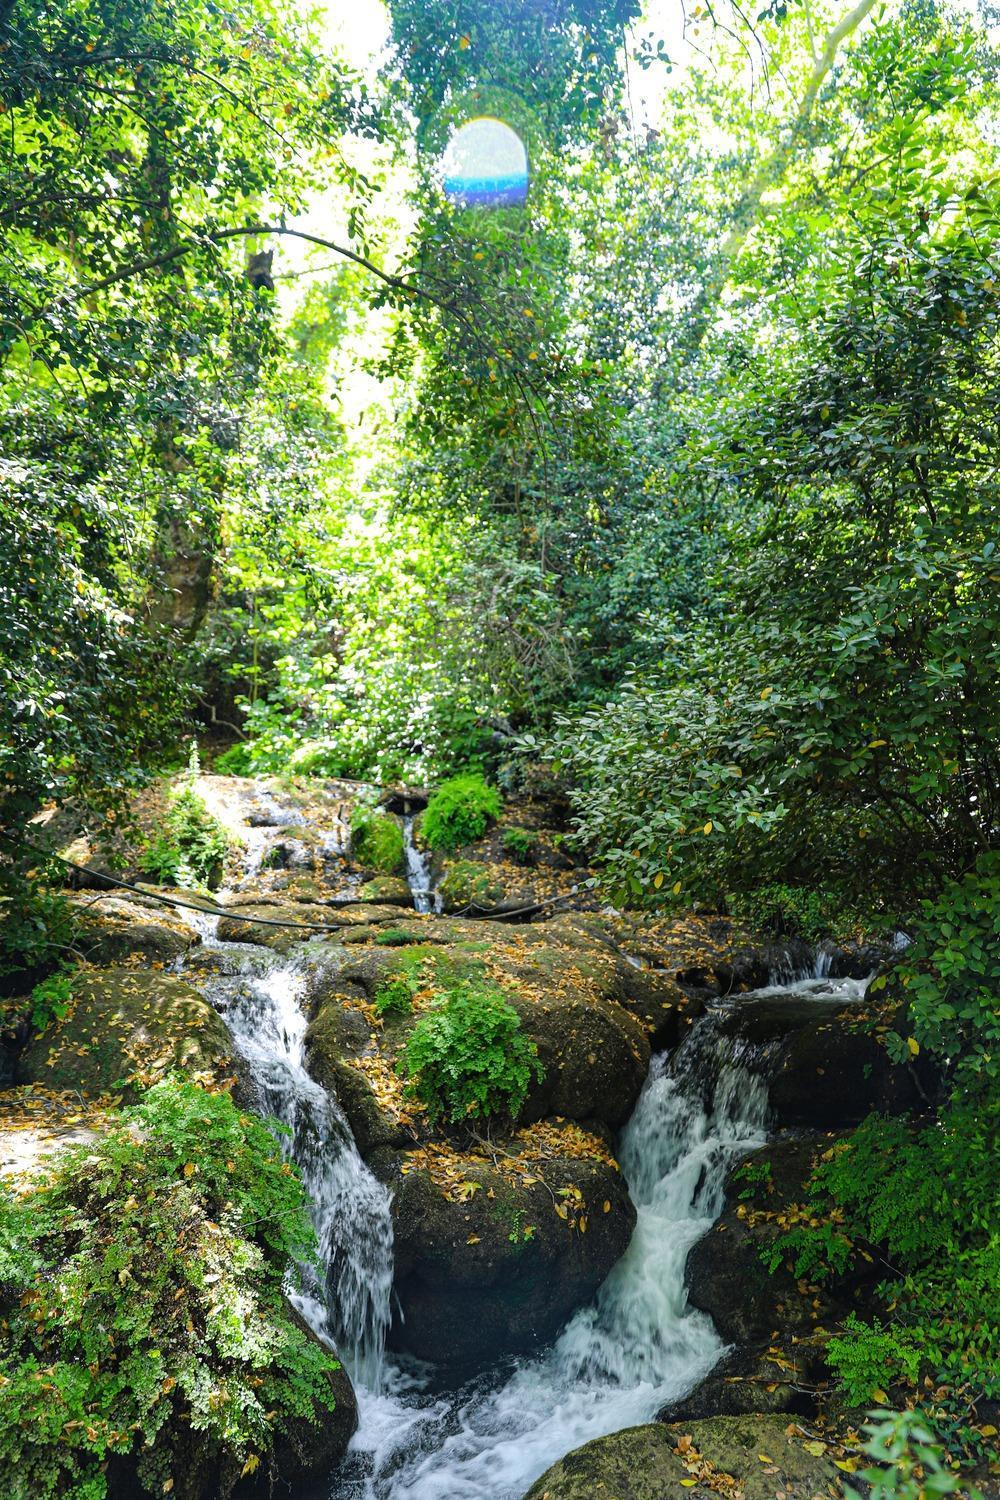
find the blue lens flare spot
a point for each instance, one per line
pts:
(485, 165)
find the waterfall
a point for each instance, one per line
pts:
(639, 1344)
(260, 996)
(418, 872)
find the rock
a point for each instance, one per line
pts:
(386, 890)
(129, 1024)
(257, 917)
(491, 1261)
(594, 1057)
(306, 1450)
(643, 1463)
(114, 927)
(726, 1275)
(747, 1381)
(834, 1071)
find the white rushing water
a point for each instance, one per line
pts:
(418, 872)
(637, 1346)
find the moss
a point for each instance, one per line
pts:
(376, 841)
(459, 811)
(466, 883)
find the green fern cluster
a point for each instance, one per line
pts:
(191, 848)
(467, 1058)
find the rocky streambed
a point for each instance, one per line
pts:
(501, 1298)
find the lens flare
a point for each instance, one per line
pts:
(485, 165)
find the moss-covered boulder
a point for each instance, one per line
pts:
(727, 1275)
(495, 1248)
(129, 1024)
(385, 890)
(115, 927)
(754, 1456)
(834, 1071)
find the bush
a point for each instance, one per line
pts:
(376, 840)
(459, 811)
(520, 844)
(36, 922)
(467, 1058)
(141, 1287)
(236, 761)
(191, 849)
(796, 911)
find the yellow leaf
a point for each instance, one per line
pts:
(708, 827)
(881, 1397)
(464, 42)
(251, 1466)
(607, 1205)
(658, 880)
(765, 1459)
(766, 693)
(677, 888)
(847, 1464)
(988, 1431)
(688, 1483)
(913, 1045)
(583, 1223)
(817, 1449)
(189, 1169)
(877, 744)
(473, 1239)
(168, 1486)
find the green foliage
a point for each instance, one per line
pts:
(754, 1176)
(394, 996)
(236, 761)
(521, 844)
(927, 1196)
(37, 922)
(191, 848)
(467, 1057)
(50, 1000)
(396, 937)
(951, 972)
(376, 839)
(459, 811)
(797, 911)
(911, 1460)
(142, 1290)
(868, 1357)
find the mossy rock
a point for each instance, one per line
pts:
(115, 927)
(490, 1264)
(642, 1463)
(377, 843)
(467, 882)
(386, 890)
(129, 1024)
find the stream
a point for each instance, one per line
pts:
(639, 1343)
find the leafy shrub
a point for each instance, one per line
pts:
(467, 1058)
(141, 1287)
(36, 922)
(521, 844)
(914, 1458)
(236, 761)
(192, 847)
(376, 839)
(50, 1000)
(795, 911)
(951, 973)
(460, 811)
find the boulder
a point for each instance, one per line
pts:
(111, 928)
(835, 1071)
(495, 1250)
(726, 1275)
(659, 1463)
(129, 1024)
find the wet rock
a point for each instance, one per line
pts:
(129, 1025)
(726, 1274)
(835, 1071)
(386, 890)
(492, 1260)
(747, 1381)
(110, 928)
(658, 1463)
(306, 1450)
(594, 1057)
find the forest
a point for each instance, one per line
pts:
(499, 749)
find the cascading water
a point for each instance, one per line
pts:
(260, 996)
(637, 1346)
(618, 1361)
(418, 872)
